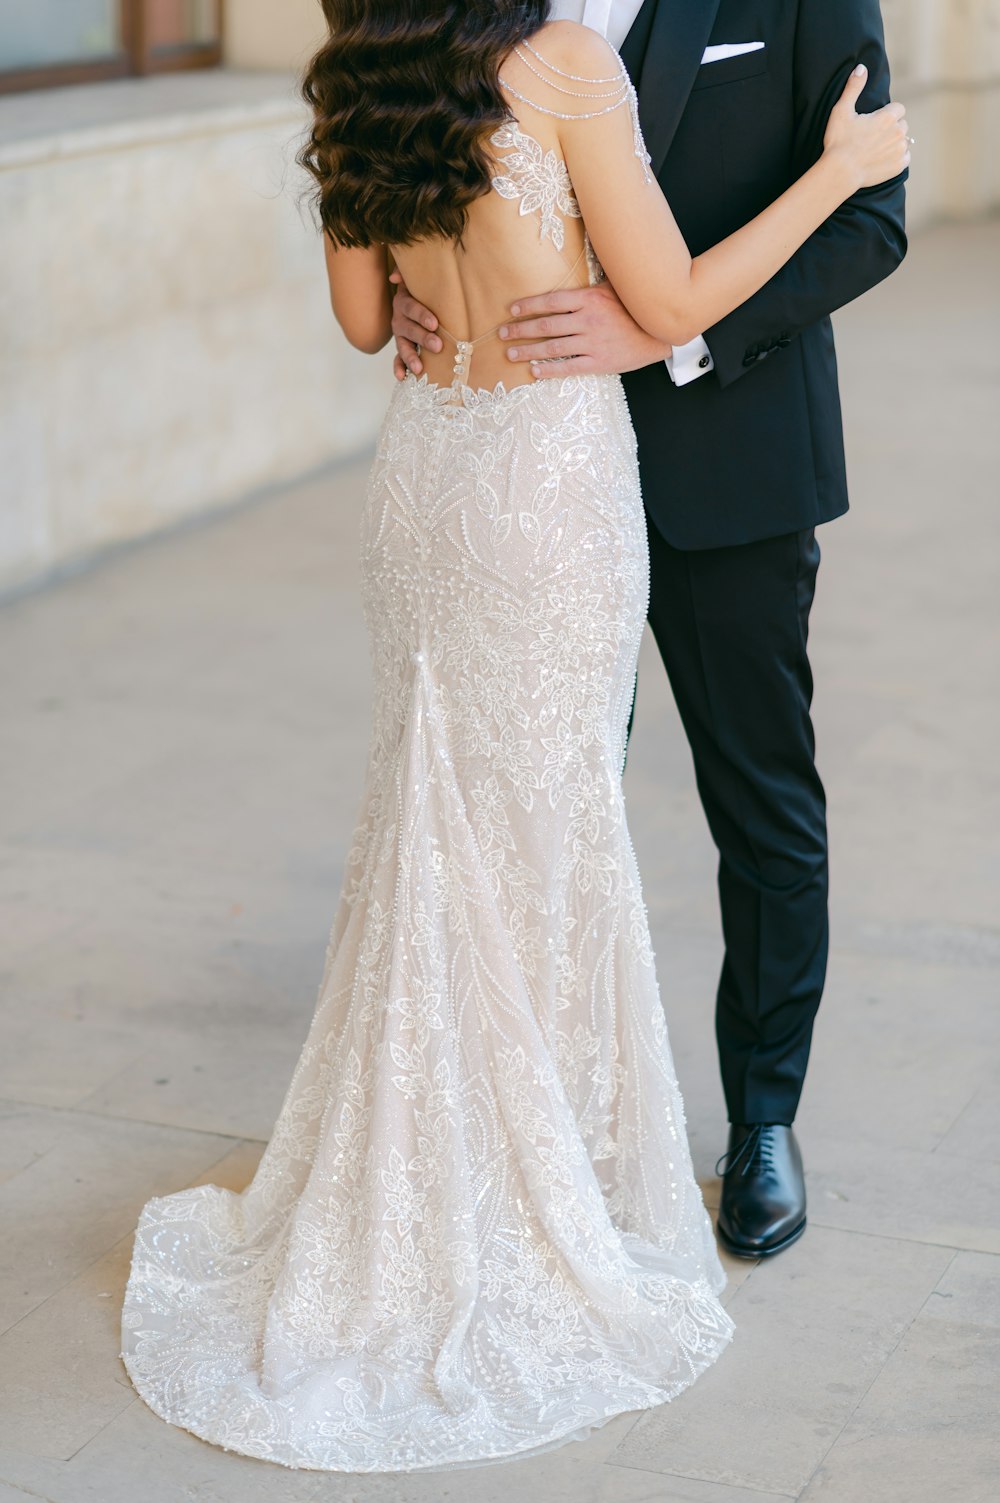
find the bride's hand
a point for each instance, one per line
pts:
(411, 324)
(874, 148)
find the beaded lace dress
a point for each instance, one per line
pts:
(475, 1232)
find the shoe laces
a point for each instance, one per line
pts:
(757, 1149)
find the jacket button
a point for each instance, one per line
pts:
(704, 362)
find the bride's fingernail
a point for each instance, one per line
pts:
(860, 71)
(511, 354)
(503, 331)
(515, 308)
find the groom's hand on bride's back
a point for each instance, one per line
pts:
(584, 331)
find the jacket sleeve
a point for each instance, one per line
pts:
(860, 244)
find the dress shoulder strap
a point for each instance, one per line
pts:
(620, 93)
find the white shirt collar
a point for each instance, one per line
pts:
(596, 15)
(612, 18)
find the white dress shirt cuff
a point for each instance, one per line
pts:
(689, 361)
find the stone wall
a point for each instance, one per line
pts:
(261, 33)
(167, 342)
(946, 66)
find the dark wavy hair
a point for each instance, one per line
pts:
(404, 94)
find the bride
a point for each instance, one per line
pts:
(476, 1232)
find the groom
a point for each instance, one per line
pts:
(741, 456)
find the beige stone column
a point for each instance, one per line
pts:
(946, 66)
(272, 33)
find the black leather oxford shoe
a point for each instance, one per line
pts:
(763, 1208)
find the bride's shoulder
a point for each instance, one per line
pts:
(576, 49)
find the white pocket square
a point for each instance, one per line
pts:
(729, 49)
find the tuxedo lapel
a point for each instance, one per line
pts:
(633, 49)
(677, 37)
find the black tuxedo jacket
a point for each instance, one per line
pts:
(755, 448)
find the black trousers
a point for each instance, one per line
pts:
(731, 625)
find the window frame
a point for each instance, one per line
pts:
(135, 60)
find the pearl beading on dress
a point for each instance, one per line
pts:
(625, 94)
(573, 77)
(614, 93)
(463, 357)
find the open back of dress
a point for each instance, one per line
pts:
(524, 237)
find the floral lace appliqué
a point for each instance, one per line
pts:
(539, 179)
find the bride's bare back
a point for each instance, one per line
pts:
(526, 236)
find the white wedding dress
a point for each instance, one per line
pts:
(475, 1232)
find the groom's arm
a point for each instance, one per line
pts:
(865, 239)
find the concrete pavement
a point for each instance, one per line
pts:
(183, 739)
